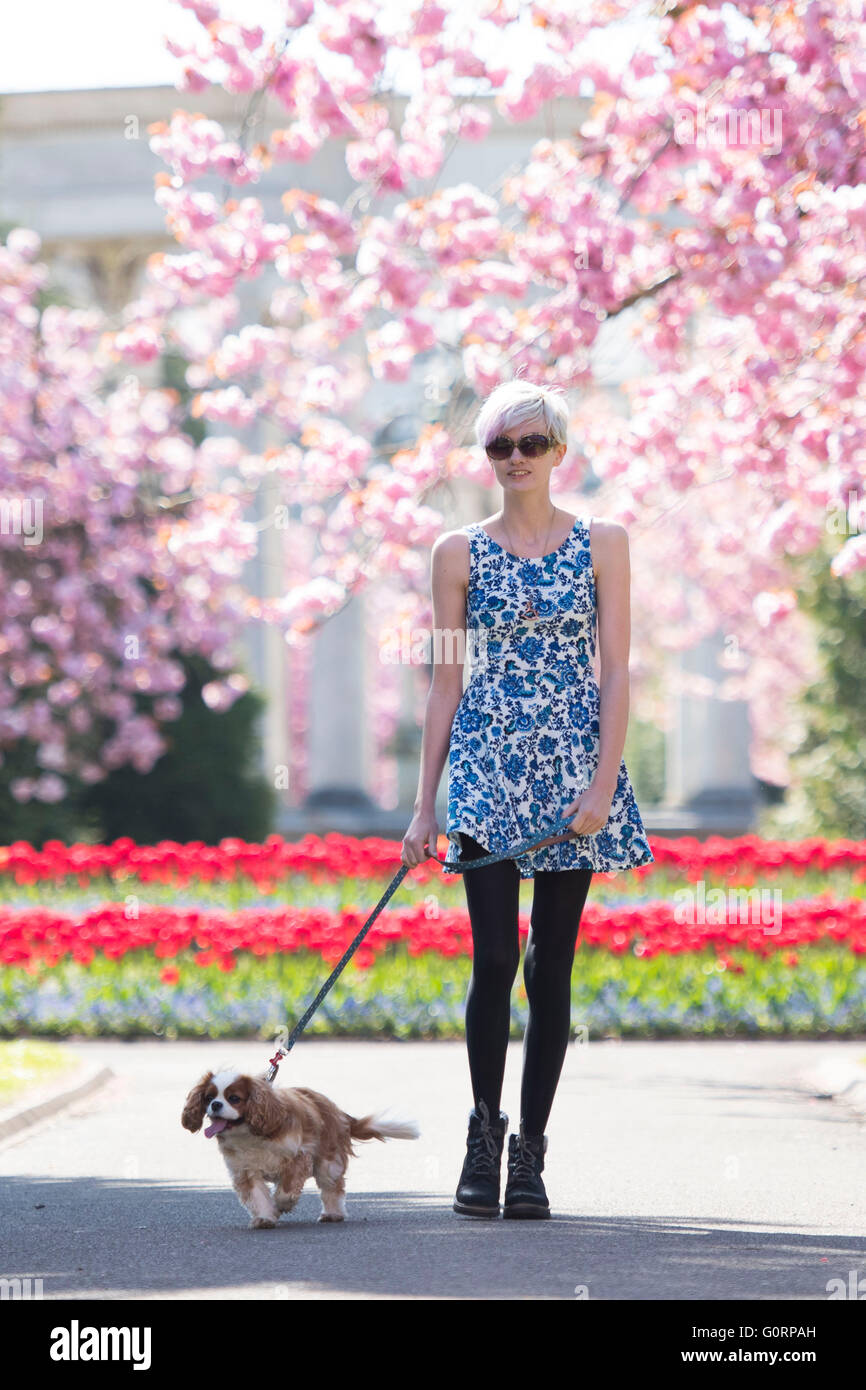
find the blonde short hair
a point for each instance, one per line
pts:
(514, 402)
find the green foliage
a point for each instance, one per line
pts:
(25, 1064)
(34, 821)
(644, 755)
(173, 367)
(205, 787)
(828, 787)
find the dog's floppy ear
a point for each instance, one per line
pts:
(264, 1112)
(195, 1105)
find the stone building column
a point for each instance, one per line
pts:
(707, 755)
(338, 734)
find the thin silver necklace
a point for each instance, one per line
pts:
(546, 539)
(529, 609)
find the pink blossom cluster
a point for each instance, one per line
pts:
(108, 575)
(194, 146)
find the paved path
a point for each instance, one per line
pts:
(676, 1170)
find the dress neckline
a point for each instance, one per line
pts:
(534, 559)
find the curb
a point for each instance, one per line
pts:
(839, 1081)
(32, 1114)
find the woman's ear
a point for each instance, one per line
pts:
(195, 1105)
(264, 1112)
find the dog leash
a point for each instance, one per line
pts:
(560, 827)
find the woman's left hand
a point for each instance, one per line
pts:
(590, 811)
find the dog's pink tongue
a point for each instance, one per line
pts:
(216, 1128)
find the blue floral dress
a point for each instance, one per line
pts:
(525, 736)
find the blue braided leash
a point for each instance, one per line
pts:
(560, 827)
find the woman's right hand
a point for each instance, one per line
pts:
(423, 831)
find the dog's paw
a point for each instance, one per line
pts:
(262, 1223)
(330, 1216)
(285, 1201)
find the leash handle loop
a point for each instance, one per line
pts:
(560, 827)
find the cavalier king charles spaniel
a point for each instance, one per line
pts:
(281, 1136)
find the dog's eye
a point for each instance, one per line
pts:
(232, 1100)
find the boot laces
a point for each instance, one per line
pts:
(525, 1164)
(483, 1148)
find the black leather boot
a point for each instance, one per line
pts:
(478, 1188)
(524, 1191)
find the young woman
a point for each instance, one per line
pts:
(533, 739)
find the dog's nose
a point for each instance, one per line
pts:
(215, 1105)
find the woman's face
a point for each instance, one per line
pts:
(527, 474)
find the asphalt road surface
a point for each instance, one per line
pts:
(675, 1170)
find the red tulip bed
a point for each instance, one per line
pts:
(716, 938)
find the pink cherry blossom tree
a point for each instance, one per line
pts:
(712, 200)
(710, 207)
(101, 554)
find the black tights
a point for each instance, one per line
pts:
(492, 896)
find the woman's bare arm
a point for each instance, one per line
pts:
(609, 542)
(609, 545)
(449, 563)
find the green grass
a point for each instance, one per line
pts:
(26, 1063)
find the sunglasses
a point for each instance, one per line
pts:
(531, 446)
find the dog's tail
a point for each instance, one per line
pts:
(379, 1127)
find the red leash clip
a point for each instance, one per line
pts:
(275, 1063)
